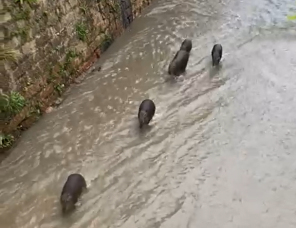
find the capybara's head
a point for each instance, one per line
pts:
(143, 118)
(67, 203)
(186, 45)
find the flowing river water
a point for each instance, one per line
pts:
(221, 149)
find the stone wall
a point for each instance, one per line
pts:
(45, 45)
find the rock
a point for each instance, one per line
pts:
(80, 79)
(97, 68)
(59, 101)
(49, 110)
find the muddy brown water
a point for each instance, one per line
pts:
(221, 149)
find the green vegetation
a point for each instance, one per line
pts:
(67, 67)
(59, 88)
(6, 141)
(51, 78)
(292, 17)
(7, 54)
(81, 31)
(35, 112)
(65, 70)
(11, 104)
(71, 54)
(117, 8)
(22, 32)
(23, 15)
(113, 6)
(83, 9)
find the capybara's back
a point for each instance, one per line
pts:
(74, 184)
(146, 112)
(71, 191)
(216, 54)
(179, 63)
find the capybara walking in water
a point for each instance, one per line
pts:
(179, 63)
(216, 54)
(146, 112)
(72, 190)
(186, 45)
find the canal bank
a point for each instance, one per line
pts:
(46, 46)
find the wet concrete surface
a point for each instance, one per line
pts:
(221, 149)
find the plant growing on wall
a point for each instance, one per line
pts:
(22, 32)
(59, 88)
(23, 14)
(6, 141)
(7, 54)
(11, 104)
(81, 31)
(83, 8)
(67, 67)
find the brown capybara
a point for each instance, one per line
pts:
(72, 190)
(146, 112)
(216, 54)
(179, 63)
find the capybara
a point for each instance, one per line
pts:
(216, 54)
(72, 190)
(186, 45)
(146, 112)
(179, 63)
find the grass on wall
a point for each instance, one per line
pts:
(7, 54)
(11, 104)
(81, 31)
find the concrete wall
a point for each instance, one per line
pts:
(54, 41)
